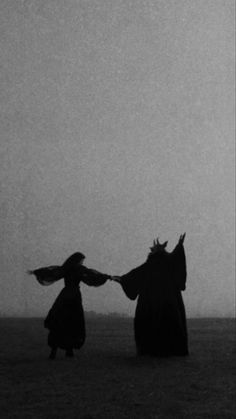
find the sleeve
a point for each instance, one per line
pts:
(93, 278)
(48, 275)
(132, 281)
(179, 266)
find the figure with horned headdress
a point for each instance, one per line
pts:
(160, 321)
(65, 319)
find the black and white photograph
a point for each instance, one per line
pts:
(117, 209)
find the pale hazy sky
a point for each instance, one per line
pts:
(117, 125)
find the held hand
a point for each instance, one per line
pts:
(181, 238)
(116, 278)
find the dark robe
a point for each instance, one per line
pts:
(160, 321)
(65, 319)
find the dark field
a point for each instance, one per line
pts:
(107, 381)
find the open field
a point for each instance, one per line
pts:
(106, 380)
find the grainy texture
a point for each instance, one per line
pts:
(106, 380)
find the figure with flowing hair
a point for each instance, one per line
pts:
(65, 320)
(160, 326)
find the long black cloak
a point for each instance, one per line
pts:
(65, 319)
(160, 320)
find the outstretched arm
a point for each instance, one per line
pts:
(94, 278)
(181, 238)
(180, 242)
(179, 263)
(48, 274)
(131, 282)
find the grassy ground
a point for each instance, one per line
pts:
(107, 381)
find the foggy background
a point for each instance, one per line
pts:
(117, 125)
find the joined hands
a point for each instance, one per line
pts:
(115, 278)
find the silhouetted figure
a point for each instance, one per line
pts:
(65, 319)
(160, 320)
